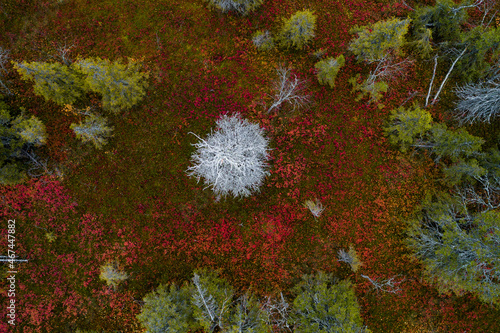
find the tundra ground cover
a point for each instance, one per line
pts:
(136, 205)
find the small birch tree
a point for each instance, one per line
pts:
(112, 275)
(350, 257)
(263, 40)
(406, 125)
(233, 160)
(375, 41)
(328, 69)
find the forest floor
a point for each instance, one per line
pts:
(132, 201)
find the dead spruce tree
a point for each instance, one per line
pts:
(478, 102)
(232, 160)
(289, 89)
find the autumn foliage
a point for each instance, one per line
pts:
(132, 204)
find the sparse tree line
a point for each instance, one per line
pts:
(321, 303)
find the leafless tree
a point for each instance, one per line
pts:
(290, 90)
(278, 310)
(62, 52)
(388, 285)
(487, 198)
(478, 102)
(233, 159)
(435, 99)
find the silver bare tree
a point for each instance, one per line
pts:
(478, 102)
(290, 90)
(233, 158)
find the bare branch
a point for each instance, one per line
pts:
(279, 312)
(447, 75)
(389, 285)
(432, 80)
(289, 90)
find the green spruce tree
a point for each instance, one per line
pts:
(18, 135)
(53, 81)
(121, 86)
(94, 129)
(298, 30)
(324, 306)
(168, 310)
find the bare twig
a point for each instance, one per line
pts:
(432, 80)
(389, 285)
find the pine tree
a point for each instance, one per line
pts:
(452, 144)
(18, 135)
(242, 7)
(459, 248)
(168, 310)
(233, 159)
(405, 125)
(121, 86)
(248, 317)
(94, 129)
(463, 171)
(211, 298)
(376, 40)
(298, 30)
(53, 81)
(323, 305)
(327, 69)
